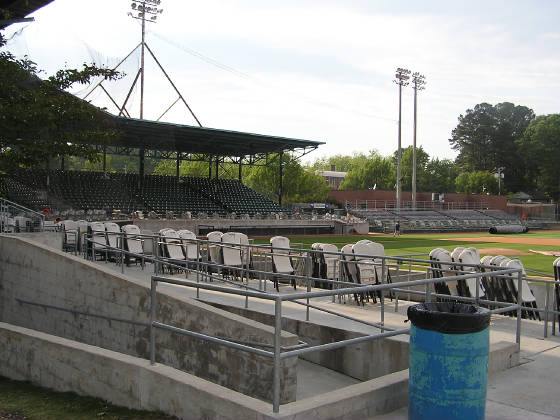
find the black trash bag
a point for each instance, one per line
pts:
(449, 317)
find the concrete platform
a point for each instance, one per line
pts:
(527, 391)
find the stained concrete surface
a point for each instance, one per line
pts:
(528, 391)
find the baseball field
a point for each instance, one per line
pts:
(537, 250)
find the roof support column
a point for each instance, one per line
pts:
(240, 175)
(141, 155)
(217, 166)
(280, 186)
(210, 167)
(178, 164)
(104, 159)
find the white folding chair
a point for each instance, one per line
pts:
(281, 262)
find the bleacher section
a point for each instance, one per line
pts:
(435, 220)
(89, 191)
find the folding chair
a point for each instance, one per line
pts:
(329, 261)
(133, 244)
(98, 240)
(527, 298)
(350, 270)
(214, 250)
(281, 261)
(70, 238)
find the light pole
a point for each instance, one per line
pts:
(141, 10)
(418, 82)
(402, 76)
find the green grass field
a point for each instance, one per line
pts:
(423, 243)
(22, 400)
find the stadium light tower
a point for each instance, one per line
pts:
(142, 9)
(402, 76)
(418, 82)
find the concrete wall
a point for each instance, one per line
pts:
(362, 361)
(66, 365)
(490, 201)
(32, 272)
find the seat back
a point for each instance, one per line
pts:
(132, 243)
(172, 245)
(443, 256)
(471, 256)
(281, 262)
(112, 230)
(214, 249)
(349, 263)
(190, 247)
(246, 254)
(363, 254)
(82, 231)
(329, 261)
(231, 254)
(98, 235)
(70, 228)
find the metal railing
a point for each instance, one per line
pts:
(207, 270)
(17, 218)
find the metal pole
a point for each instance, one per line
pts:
(519, 297)
(308, 275)
(546, 303)
(198, 268)
(143, 45)
(382, 298)
(399, 156)
(280, 183)
(152, 320)
(277, 338)
(122, 251)
(414, 153)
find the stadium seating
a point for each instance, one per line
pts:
(94, 192)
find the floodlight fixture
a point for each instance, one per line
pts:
(402, 76)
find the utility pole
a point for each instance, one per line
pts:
(418, 82)
(402, 76)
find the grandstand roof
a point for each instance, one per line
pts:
(155, 135)
(18, 9)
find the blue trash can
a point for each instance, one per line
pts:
(448, 372)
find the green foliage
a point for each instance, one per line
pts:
(485, 138)
(539, 146)
(422, 160)
(188, 169)
(39, 121)
(476, 182)
(300, 184)
(23, 400)
(376, 171)
(342, 163)
(440, 176)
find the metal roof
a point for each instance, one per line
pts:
(163, 136)
(18, 9)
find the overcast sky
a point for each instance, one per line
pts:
(315, 70)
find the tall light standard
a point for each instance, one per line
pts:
(143, 9)
(418, 82)
(402, 77)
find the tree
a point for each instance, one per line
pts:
(376, 172)
(440, 176)
(485, 138)
(422, 159)
(476, 182)
(342, 163)
(539, 146)
(299, 184)
(40, 121)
